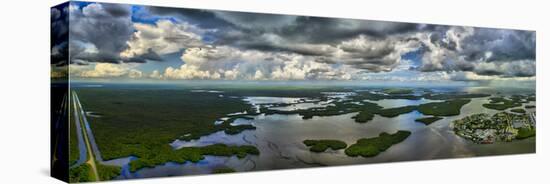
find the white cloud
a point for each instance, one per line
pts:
(164, 37)
(133, 73)
(187, 72)
(155, 75)
(224, 62)
(371, 54)
(472, 76)
(105, 70)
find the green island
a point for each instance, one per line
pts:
(370, 147)
(530, 106)
(368, 95)
(142, 123)
(364, 116)
(367, 110)
(398, 91)
(393, 112)
(194, 154)
(450, 96)
(502, 103)
(521, 111)
(428, 120)
(223, 170)
(338, 108)
(446, 108)
(502, 126)
(322, 145)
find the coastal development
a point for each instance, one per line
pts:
(502, 126)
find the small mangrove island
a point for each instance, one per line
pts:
(322, 145)
(428, 120)
(370, 147)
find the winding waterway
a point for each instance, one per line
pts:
(279, 137)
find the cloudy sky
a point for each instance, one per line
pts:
(112, 41)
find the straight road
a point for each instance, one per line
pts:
(81, 144)
(79, 118)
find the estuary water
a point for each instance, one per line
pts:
(279, 138)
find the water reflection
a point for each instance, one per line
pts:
(279, 139)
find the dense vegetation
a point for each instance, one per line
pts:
(223, 170)
(323, 145)
(529, 106)
(398, 91)
(524, 133)
(501, 103)
(428, 120)
(107, 172)
(338, 108)
(83, 172)
(377, 96)
(80, 174)
(393, 112)
(364, 116)
(451, 96)
(446, 108)
(367, 110)
(521, 111)
(192, 154)
(142, 123)
(369, 147)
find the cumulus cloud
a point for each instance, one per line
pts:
(223, 62)
(165, 37)
(235, 45)
(155, 75)
(104, 70)
(472, 76)
(133, 73)
(372, 54)
(308, 36)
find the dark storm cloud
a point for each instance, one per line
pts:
(330, 30)
(117, 10)
(437, 39)
(484, 51)
(303, 35)
(99, 33)
(245, 29)
(505, 45)
(298, 30)
(203, 18)
(59, 35)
